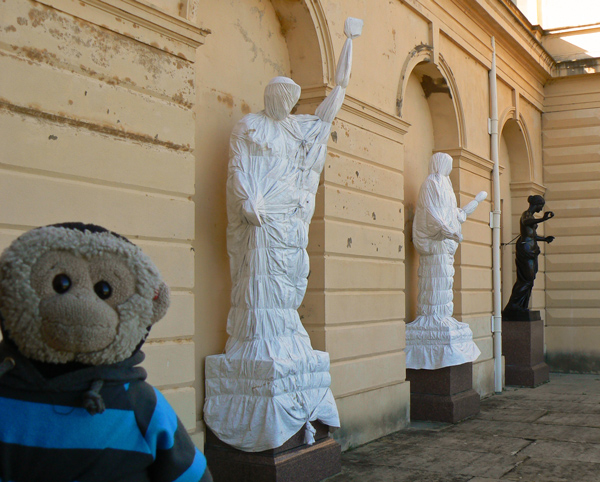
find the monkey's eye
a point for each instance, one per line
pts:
(103, 290)
(61, 283)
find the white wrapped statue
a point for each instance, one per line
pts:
(435, 339)
(270, 382)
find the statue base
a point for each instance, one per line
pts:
(443, 395)
(294, 461)
(520, 315)
(523, 349)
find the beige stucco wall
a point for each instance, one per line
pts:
(355, 307)
(571, 132)
(96, 125)
(245, 49)
(128, 125)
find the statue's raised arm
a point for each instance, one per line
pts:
(333, 102)
(470, 208)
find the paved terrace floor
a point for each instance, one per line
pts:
(546, 434)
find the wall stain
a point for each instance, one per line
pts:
(277, 67)
(62, 119)
(226, 99)
(178, 98)
(349, 245)
(78, 39)
(36, 54)
(37, 17)
(574, 362)
(10, 28)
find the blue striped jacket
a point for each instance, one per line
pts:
(47, 435)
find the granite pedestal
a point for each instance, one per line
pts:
(443, 395)
(294, 461)
(523, 349)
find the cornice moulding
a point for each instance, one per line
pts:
(390, 126)
(468, 160)
(138, 20)
(525, 188)
(498, 14)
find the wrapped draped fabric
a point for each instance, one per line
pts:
(281, 95)
(333, 102)
(435, 339)
(270, 383)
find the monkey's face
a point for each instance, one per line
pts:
(67, 295)
(79, 299)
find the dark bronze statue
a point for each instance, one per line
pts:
(527, 251)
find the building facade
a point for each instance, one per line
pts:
(118, 112)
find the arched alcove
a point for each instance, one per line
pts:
(428, 101)
(519, 151)
(309, 43)
(516, 160)
(251, 42)
(441, 92)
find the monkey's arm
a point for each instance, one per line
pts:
(333, 102)
(175, 456)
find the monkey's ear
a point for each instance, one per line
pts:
(160, 302)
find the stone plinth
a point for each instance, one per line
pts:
(523, 349)
(294, 461)
(443, 395)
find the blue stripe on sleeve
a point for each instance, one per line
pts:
(195, 471)
(57, 427)
(161, 430)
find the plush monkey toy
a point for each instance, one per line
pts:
(77, 302)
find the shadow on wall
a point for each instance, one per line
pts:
(563, 362)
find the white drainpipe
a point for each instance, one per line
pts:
(495, 225)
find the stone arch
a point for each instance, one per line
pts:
(516, 183)
(307, 35)
(429, 101)
(514, 131)
(439, 85)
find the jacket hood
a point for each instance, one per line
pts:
(28, 375)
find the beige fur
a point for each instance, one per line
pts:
(78, 325)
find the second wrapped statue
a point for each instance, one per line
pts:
(435, 339)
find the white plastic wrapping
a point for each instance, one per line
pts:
(270, 383)
(435, 339)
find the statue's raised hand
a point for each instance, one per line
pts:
(469, 208)
(353, 27)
